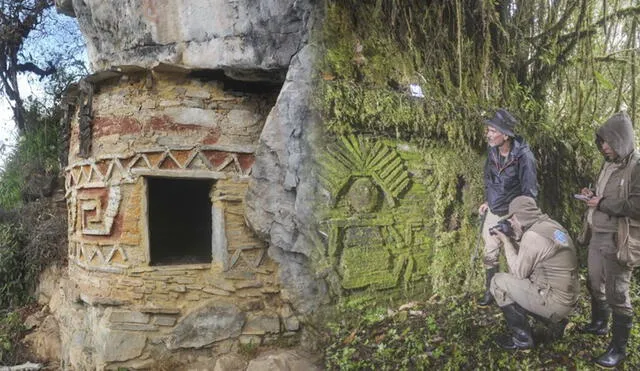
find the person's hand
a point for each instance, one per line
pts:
(587, 192)
(483, 208)
(593, 201)
(498, 235)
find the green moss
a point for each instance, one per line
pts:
(413, 234)
(374, 50)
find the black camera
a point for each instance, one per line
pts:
(503, 226)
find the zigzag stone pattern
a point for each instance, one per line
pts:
(94, 196)
(212, 161)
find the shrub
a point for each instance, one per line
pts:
(13, 280)
(10, 331)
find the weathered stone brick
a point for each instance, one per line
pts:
(164, 320)
(133, 327)
(127, 316)
(184, 280)
(177, 288)
(259, 324)
(192, 296)
(215, 291)
(247, 284)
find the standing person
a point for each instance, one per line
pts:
(543, 274)
(510, 171)
(615, 204)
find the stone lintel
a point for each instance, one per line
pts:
(201, 174)
(182, 267)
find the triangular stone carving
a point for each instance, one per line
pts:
(198, 162)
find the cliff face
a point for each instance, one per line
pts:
(249, 40)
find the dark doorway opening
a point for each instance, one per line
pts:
(179, 220)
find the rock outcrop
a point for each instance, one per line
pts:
(281, 194)
(249, 40)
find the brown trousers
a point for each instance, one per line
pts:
(608, 279)
(491, 244)
(507, 289)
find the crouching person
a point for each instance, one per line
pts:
(543, 278)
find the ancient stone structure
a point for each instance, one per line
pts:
(205, 210)
(164, 139)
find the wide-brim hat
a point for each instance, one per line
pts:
(503, 121)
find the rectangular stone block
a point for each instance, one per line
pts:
(133, 327)
(177, 288)
(214, 291)
(159, 310)
(192, 296)
(184, 280)
(261, 324)
(128, 316)
(247, 284)
(164, 320)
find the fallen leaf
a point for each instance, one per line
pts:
(349, 339)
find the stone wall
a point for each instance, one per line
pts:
(152, 124)
(208, 90)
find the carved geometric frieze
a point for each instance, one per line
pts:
(377, 255)
(252, 256)
(210, 161)
(99, 256)
(370, 243)
(96, 218)
(356, 157)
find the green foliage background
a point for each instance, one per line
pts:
(562, 67)
(549, 65)
(32, 232)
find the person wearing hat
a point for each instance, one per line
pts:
(613, 219)
(543, 274)
(509, 171)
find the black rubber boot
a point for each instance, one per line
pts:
(487, 299)
(616, 352)
(555, 330)
(517, 321)
(600, 314)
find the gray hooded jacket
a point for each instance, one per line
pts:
(618, 132)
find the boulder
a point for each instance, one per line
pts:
(249, 40)
(44, 341)
(290, 360)
(205, 325)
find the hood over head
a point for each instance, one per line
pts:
(617, 131)
(526, 210)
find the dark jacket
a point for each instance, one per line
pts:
(517, 177)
